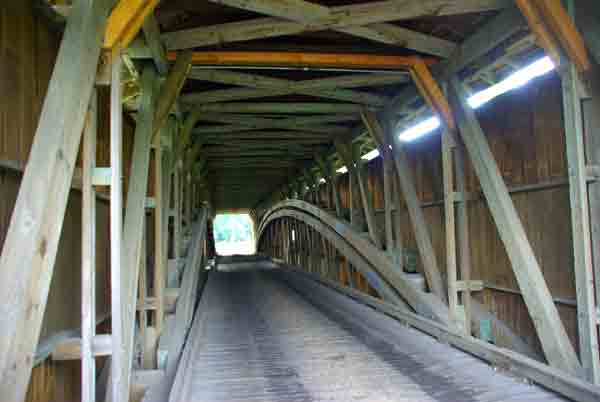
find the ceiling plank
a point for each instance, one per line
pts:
(339, 17)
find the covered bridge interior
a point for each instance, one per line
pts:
(423, 178)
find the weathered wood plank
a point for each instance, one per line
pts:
(550, 329)
(117, 365)
(88, 255)
(31, 243)
(72, 349)
(448, 145)
(462, 234)
(159, 232)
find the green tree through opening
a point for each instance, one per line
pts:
(233, 234)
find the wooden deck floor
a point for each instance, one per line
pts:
(257, 339)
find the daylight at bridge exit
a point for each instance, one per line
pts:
(299, 200)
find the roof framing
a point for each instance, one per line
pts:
(344, 18)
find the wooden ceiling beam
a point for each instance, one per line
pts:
(280, 107)
(301, 12)
(229, 77)
(338, 18)
(332, 87)
(301, 60)
(287, 9)
(245, 133)
(284, 122)
(330, 129)
(395, 35)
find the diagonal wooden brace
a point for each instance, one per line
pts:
(431, 91)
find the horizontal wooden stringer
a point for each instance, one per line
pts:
(302, 60)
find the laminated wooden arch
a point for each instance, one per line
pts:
(350, 243)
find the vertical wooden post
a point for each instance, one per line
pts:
(462, 231)
(336, 195)
(147, 353)
(367, 205)
(592, 145)
(448, 145)
(88, 255)
(587, 315)
(550, 329)
(387, 199)
(399, 252)
(159, 232)
(423, 238)
(177, 216)
(188, 201)
(118, 364)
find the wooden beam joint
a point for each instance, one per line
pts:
(126, 20)
(556, 31)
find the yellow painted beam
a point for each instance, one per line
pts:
(126, 21)
(302, 59)
(555, 31)
(558, 20)
(431, 91)
(540, 29)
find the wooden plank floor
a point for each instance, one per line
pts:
(261, 340)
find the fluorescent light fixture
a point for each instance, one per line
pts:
(513, 81)
(420, 129)
(371, 155)
(322, 180)
(342, 170)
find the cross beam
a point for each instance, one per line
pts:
(263, 86)
(355, 19)
(301, 59)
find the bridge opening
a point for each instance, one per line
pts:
(234, 234)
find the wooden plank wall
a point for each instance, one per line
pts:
(27, 53)
(526, 134)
